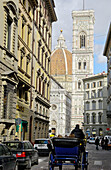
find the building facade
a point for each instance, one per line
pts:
(35, 28)
(45, 16)
(82, 60)
(8, 67)
(107, 53)
(25, 46)
(95, 105)
(60, 110)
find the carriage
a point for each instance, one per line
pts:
(68, 151)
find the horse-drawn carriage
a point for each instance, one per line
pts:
(68, 151)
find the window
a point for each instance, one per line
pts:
(84, 65)
(87, 85)
(87, 105)
(24, 2)
(45, 60)
(39, 45)
(87, 94)
(42, 56)
(79, 85)
(82, 41)
(87, 118)
(93, 118)
(21, 59)
(26, 96)
(93, 105)
(100, 104)
(28, 36)
(100, 83)
(100, 118)
(48, 64)
(37, 82)
(27, 65)
(20, 93)
(93, 85)
(93, 94)
(8, 33)
(43, 88)
(39, 85)
(79, 65)
(100, 94)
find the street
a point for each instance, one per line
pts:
(98, 160)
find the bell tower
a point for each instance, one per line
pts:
(82, 60)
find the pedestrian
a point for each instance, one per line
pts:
(78, 133)
(102, 142)
(97, 143)
(106, 143)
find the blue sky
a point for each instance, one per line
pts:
(102, 10)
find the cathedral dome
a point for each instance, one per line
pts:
(61, 59)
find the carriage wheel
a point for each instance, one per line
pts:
(50, 166)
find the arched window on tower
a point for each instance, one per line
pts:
(82, 40)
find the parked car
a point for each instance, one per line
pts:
(42, 145)
(7, 160)
(24, 152)
(92, 140)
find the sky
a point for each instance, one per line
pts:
(64, 8)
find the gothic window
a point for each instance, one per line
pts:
(84, 65)
(8, 33)
(82, 41)
(79, 65)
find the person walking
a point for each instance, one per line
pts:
(102, 143)
(97, 143)
(106, 143)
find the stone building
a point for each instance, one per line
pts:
(8, 67)
(82, 60)
(61, 88)
(60, 110)
(107, 53)
(34, 50)
(61, 64)
(25, 46)
(95, 104)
